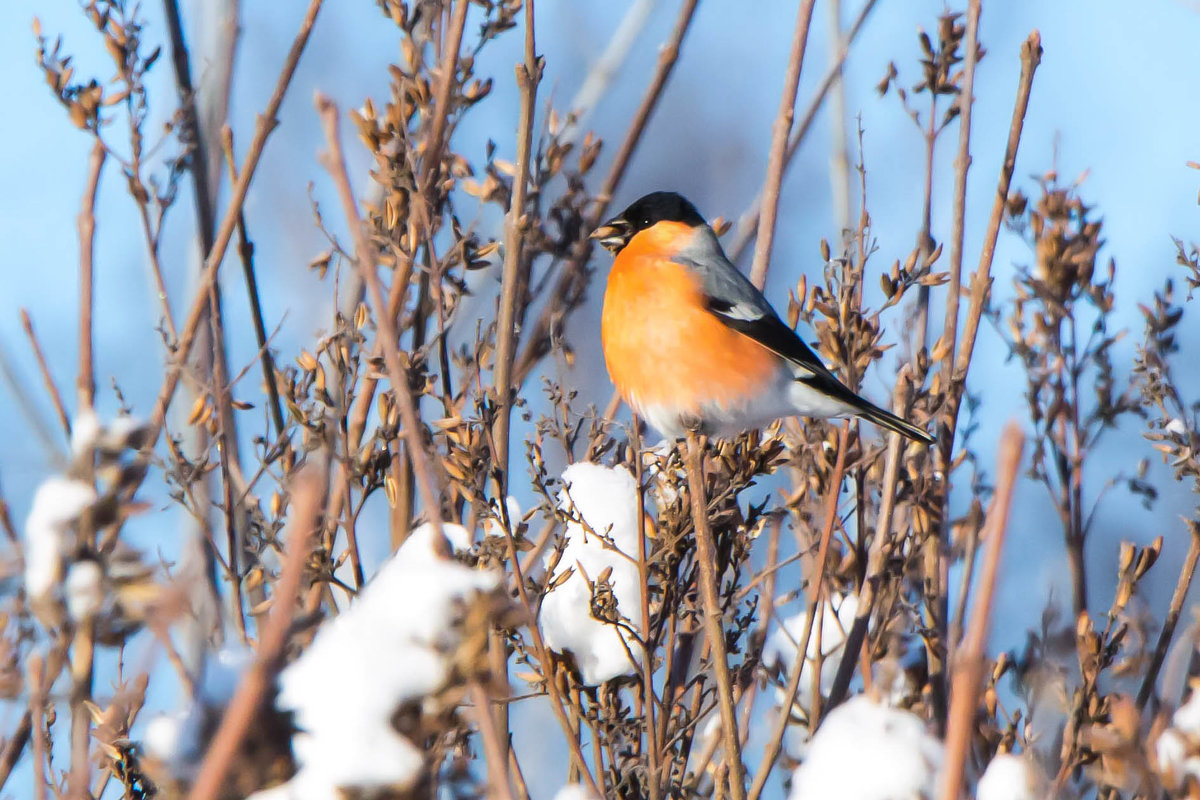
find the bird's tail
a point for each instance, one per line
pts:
(886, 419)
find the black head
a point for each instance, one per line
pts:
(643, 213)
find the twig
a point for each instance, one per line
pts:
(308, 495)
(877, 555)
(217, 358)
(83, 652)
(428, 483)
(35, 679)
(497, 760)
(529, 75)
(267, 122)
(706, 555)
(198, 156)
(968, 668)
(748, 222)
(649, 702)
(578, 762)
(85, 382)
(448, 70)
(246, 253)
(1186, 573)
(779, 141)
(15, 746)
(775, 741)
(604, 69)
(981, 281)
(568, 290)
(839, 157)
(962, 165)
(939, 648)
(44, 368)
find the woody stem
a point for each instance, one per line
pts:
(707, 557)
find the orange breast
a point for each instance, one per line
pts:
(662, 346)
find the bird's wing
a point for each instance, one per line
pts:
(739, 304)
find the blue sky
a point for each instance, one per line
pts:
(1116, 95)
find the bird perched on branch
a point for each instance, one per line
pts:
(691, 344)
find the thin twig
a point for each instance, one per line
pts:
(267, 121)
(1186, 573)
(981, 280)
(35, 676)
(85, 382)
(497, 759)
(448, 71)
(649, 701)
(307, 497)
(44, 368)
(938, 647)
(568, 291)
(962, 165)
(529, 75)
(706, 555)
(246, 253)
(968, 667)
(15, 746)
(775, 741)
(839, 156)
(877, 555)
(428, 483)
(776, 158)
(747, 224)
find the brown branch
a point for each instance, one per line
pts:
(969, 663)
(962, 165)
(364, 260)
(776, 158)
(266, 123)
(246, 253)
(775, 741)
(747, 225)
(706, 556)
(44, 368)
(547, 665)
(35, 679)
(15, 746)
(307, 496)
(878, 553)
(1178, 597)
(494, 752)
(85, 382)
(449, 69)
(939, 647)
(981, 281)
(649, 702)
(529, 75)
(568, 290)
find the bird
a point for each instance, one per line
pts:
(692, 345)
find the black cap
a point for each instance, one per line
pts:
(644, 213)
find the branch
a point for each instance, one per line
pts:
(529, 75)
(364, 261)
(309, 491)
(968, 667)
(775, 742)
(267, 122)
(706, 555)
(776, 159)
(1178, 597)
(85, 382)
(748, 222)
(568, 290)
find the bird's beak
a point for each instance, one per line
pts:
(612, 235)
